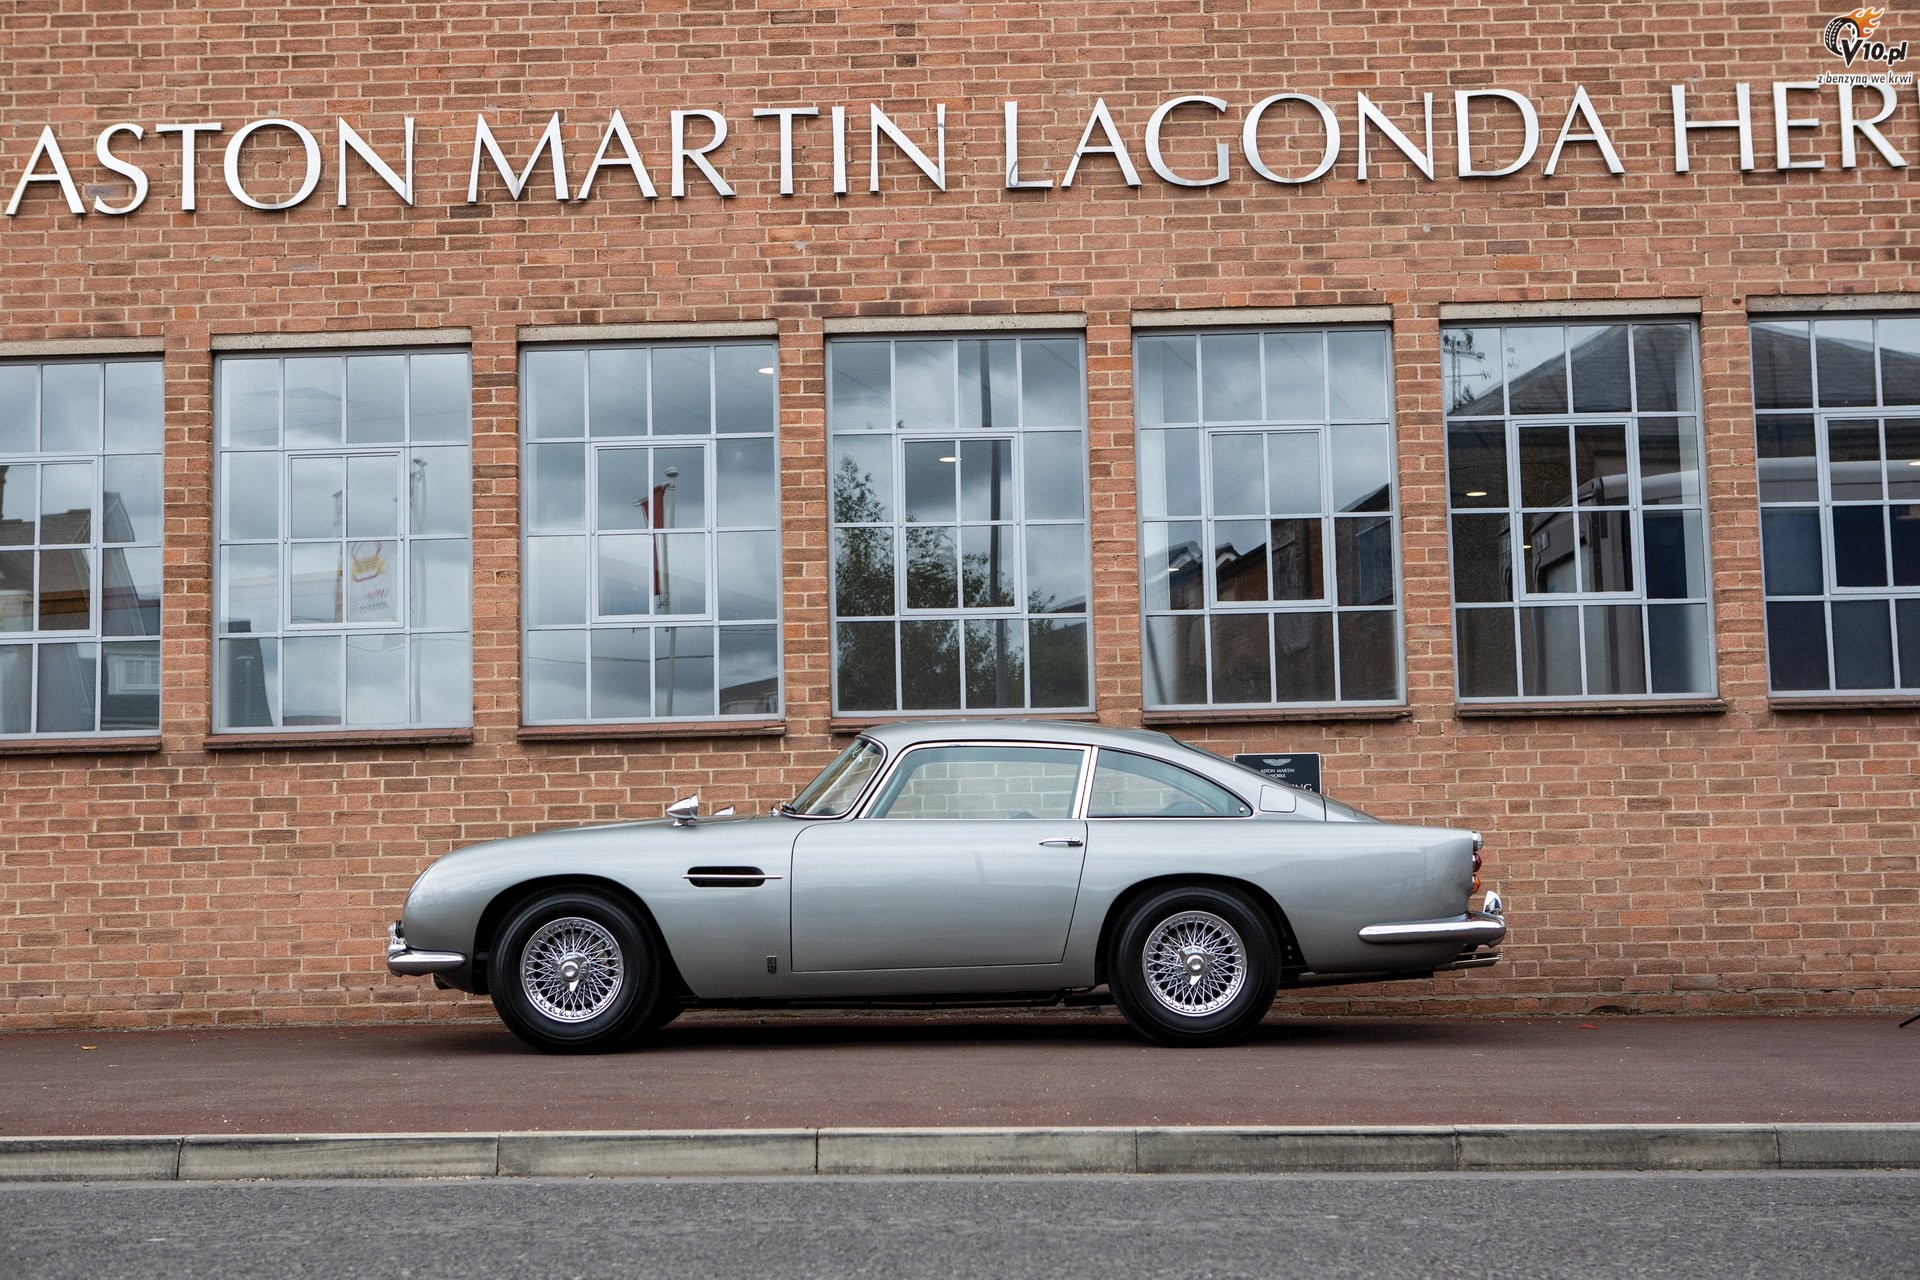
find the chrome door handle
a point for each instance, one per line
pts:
(1061, 844)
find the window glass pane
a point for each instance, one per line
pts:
(1472, 372)
(1549, 556)
(1860, 546)
(1602, 376)
(749, 671)
(1663, 367)
(1477, 464)
(1357, 374)
(439, 491)
(629, 575)
(556, 675)
(744, 491)
(862, 386)
(1843, 350)
(130, 592)
(250, 589)
(1789, 552)
(1616, 649)
(986, 480)
(1546, 478)
(933, 577)
(1299, 564)
(376, 678)
(129, 687)
(134, 410)
(1168, 476)
(556, 394)
(1482, 559)
(1485, 660)
(250, 495)
(616, 392)
(1230, 377)
(1303, 657)
(1296, 375)
(989, 384)
(1056, 568)
(372, 587)
(440, 396)
(1905, 525)
(557, 488)
(439, 584)
(749, 575)
(130, 507)
(682, 391)
(70, 408)
(19, 505)
(1362, 468)
(1167, 389)
(1788, 469)
(373, 496)
(250, 411)
(864, 666)
(1853, 458)
(1176, 661)
(1363, 560)
(1057, 662)
(1600, 465)
(66, 503)
(1550, 651)
(64, 696)
(66, 590)
(1797, 647)
(1293, 473)
(317, 495)
(1369, 657)
(744, 379)
(996, 663)
(1606, 551)
(1056, 470)
(621, 685)
(930, 471)
(924, 375)
(1130, 786)
(623, 497)
(1865, 660)
(310, 689)
(862, 480)
(1669, 461)
(1676, 555)
(1242, 658)
(1536, 361)
(1050, 383)
(863, 584)
(1240, 560)
(1906, 615)
(316, 400)
(376, 399)
(556, 581)
(1900, 359)
(1239, 475)
(1680, 643)
(929, 665)
(1903, 457)
(990, 566)
(680, 488)
(982, 783)
(19, 412)
(442, 679)
(16, 688)
(1172, 564)
(1782, 365)
(248, 690)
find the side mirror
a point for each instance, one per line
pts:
(685, 812)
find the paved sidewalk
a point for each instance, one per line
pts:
(782, 1093)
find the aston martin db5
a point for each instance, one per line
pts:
(961, 861)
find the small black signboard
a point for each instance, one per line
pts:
(1297, 769)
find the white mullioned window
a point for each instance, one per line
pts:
(344, 576)
(1267, 518)
(651, 532)
(80, 533)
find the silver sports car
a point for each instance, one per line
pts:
(967, 861)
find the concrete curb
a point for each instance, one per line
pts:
(802, 1152)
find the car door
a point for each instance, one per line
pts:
(969, 855)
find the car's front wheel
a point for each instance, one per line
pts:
(1193, 966)
(575, 971)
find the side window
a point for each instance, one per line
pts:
(982, 783)
(1130, 786)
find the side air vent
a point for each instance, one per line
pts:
(727, 877)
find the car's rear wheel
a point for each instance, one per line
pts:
(1193, 966)
(574, 971)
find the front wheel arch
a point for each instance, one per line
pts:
(1122, 905)
(487, 931)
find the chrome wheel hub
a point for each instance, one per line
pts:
(572, 969)
(1195, 963)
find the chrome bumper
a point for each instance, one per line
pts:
(1483, 928)
(408, 963)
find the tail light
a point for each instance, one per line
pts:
(1478, 842)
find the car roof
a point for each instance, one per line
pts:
(895, 734)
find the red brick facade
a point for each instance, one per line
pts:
(1750, 853)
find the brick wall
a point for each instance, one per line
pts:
(1750, 858)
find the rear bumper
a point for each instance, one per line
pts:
(408, 963)
(1471, 929)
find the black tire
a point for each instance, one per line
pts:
(574, 971)
(1219, 940)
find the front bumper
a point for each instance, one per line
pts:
(408, 963)
(1478, 932)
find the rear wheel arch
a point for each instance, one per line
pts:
(504, 903)
(1123, 903)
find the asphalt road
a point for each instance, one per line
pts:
(1701, 1226)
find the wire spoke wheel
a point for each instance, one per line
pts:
(572, 969)
(1195, 963)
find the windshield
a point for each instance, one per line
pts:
(839, 784)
